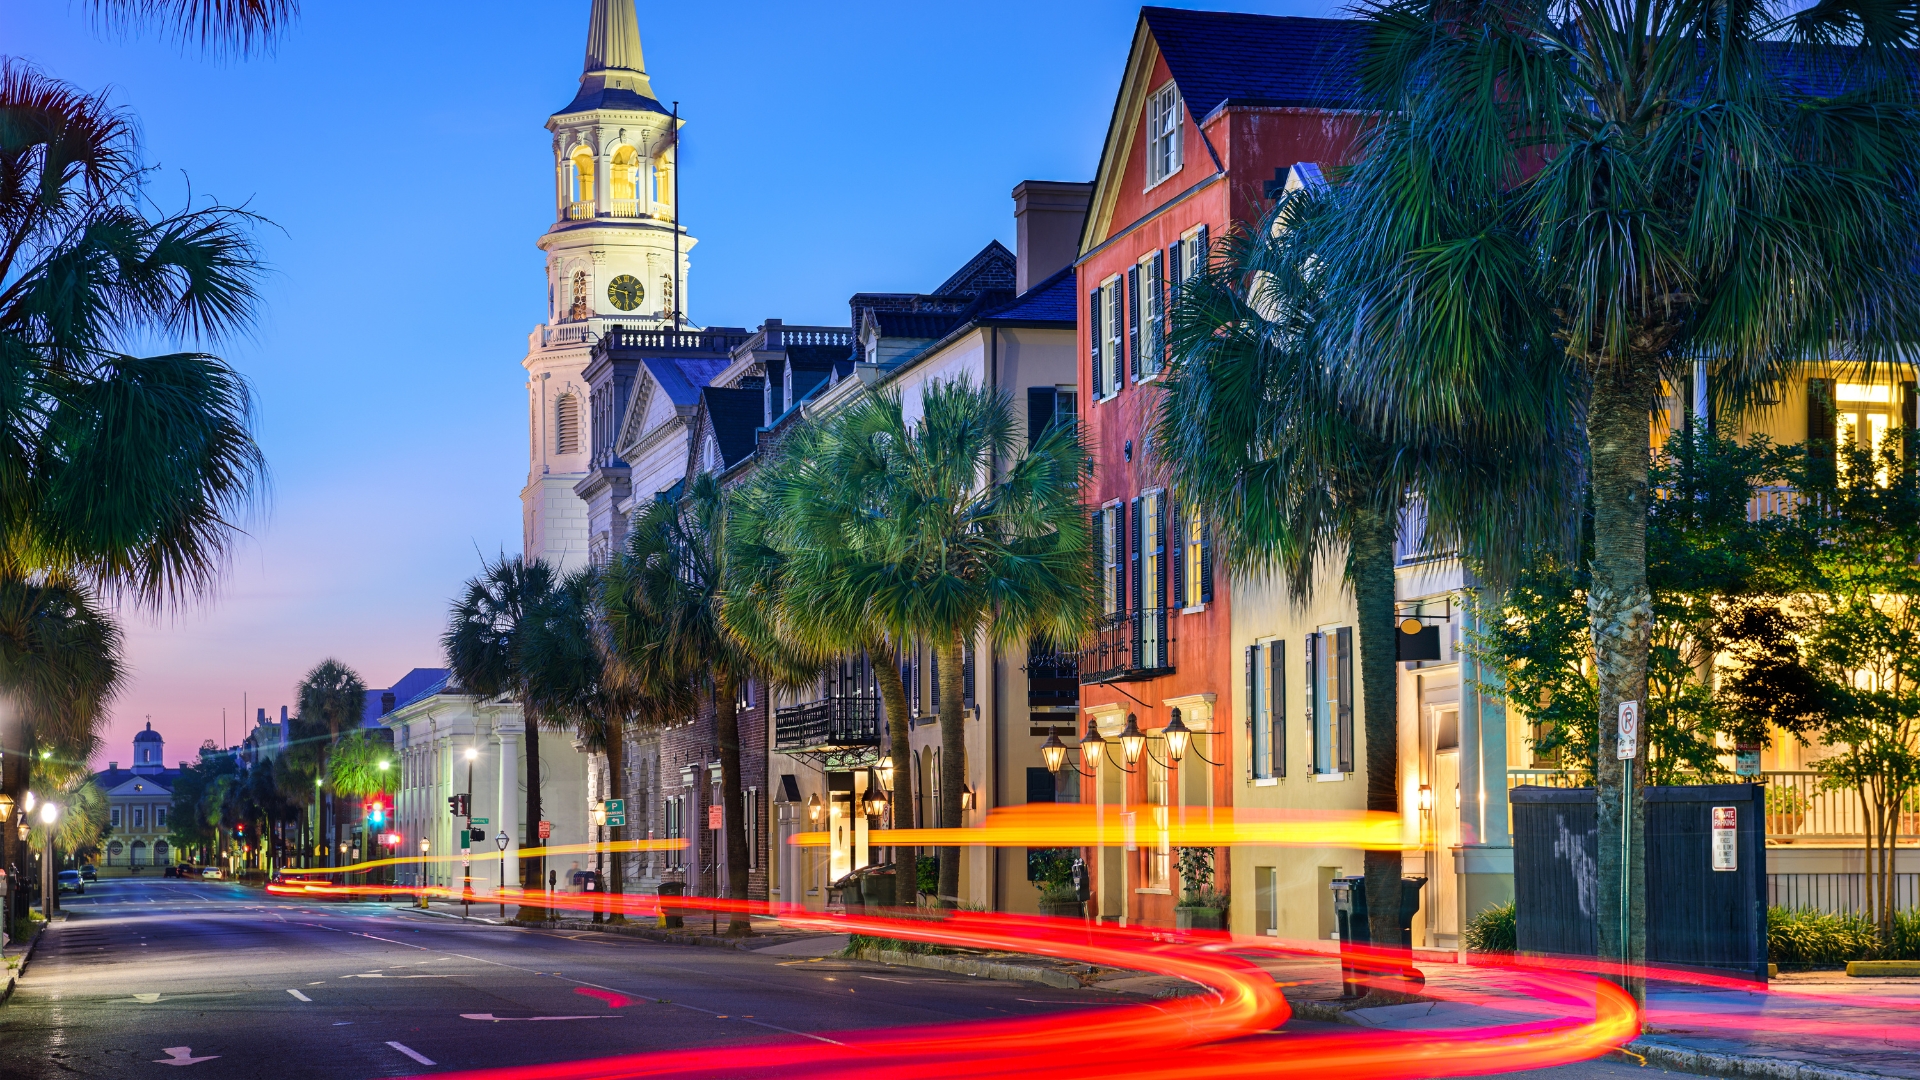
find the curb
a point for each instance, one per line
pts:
(14, 975)
(961, 965)
(746, 944)
(1710, 1063)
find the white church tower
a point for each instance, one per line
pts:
(611, 261)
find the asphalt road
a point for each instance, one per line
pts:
(162, 978)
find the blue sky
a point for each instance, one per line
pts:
(398, 151)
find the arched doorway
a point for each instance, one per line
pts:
(114, 850)
(139, 853)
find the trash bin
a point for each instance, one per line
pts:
(847, 892)
(1356, 936)
(670, 914)
(876, 887)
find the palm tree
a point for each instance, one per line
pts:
(664, 599)
(1562, 208)
(963, 533)
(799, 570)
(485, 645)
(218, 26)
(570, 681)
(332, 700)
(1260, 437)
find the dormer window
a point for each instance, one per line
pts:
(1165, 113)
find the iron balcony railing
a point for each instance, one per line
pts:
(831, 723)
(1128, 647)
(719, 340)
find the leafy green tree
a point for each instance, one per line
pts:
(331, 701)
(1586, 199)
(1857, 612)
(485, 647)
(663, 600)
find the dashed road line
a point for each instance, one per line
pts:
(412, 1053)
(299, 995)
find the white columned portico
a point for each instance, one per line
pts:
(509, 823)
(1484, 858)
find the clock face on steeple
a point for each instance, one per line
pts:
(626, 292)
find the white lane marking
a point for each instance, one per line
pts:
(146, 999)
(411, 1052)
(183, 1055)
(377, 975)
(299, 995)
(498, 1019)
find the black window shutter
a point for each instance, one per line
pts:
(1100, 553)
(1204, 250)
(1820, 417)
(1178, 553)
(966, 676)
(1206, 562)
(1133, 321)
(1160, 548)
(1253, 702)
(1909, 406)
(1133, 565)
(1040, 401)
(1277, 688)
(933, 681)
(1343, 680)
(1164, 331)
(1119, 513)
(1093, 339)
(1310, 661)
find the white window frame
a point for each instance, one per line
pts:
(1152, 296)
(1166, 116)
(1113, 295)
(1260, 733)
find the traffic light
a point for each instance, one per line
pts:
(240, 829)
(453, 806)
(465, 806)
(376, 813)
(476, 837)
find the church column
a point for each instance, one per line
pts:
(509, 822)
(602, 183)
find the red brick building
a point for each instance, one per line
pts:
(1215, 111)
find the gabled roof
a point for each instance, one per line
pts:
(683, 377)
(733, 415)
(157, 782)
(1218, 56)
(992, 268)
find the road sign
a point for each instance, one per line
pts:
(616, 806)
(1629, 746)
(616, 819)
(716, 818)
(481, 821)
(546, 830)
(1726, 830)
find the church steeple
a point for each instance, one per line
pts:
(613, 38)
(614, 59)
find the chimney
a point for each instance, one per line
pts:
(113, 766)
(263, 715)
(283, 714)
(386, 702)
(1047, 216)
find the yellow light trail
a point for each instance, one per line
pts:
(487, 856)
(1043, 825)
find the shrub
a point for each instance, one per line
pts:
(1493, 930)
(1802, 937)
(926, 874)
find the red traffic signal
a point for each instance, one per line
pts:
(376, 813)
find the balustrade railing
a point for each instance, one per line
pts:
(626, 208)
(1128, 646)
(580, 211)
(713, 341)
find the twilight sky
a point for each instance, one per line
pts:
(398, 152)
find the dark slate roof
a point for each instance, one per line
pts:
(1053, 300)
(819, 357)
(918, 324)
(735, 415)
(992, 268)
(610, 97)
(108, 779)
(1217, 56)
(414, 685)
(683, 377)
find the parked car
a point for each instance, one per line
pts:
(89, 873)
(70, 881)
(211, 873)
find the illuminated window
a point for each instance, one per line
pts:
(623, 183)
(1165, 112)
(580, 182)
(1160, 854)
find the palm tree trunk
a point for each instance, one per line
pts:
(616, 789)
(1620, 616)
(530, 828)
(726, 723)
(893, 693)
(1370, 570)
(953, 765)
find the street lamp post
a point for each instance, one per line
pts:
(49, 898)
(501, 842)
(466, 841)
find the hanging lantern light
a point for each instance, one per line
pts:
(884, 773)
(1131, 741)
(1093, 747)
(1053, 752)
(1426, 797)
(1177, 738)
(813, 808)
(966, 798)
(6, 806)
